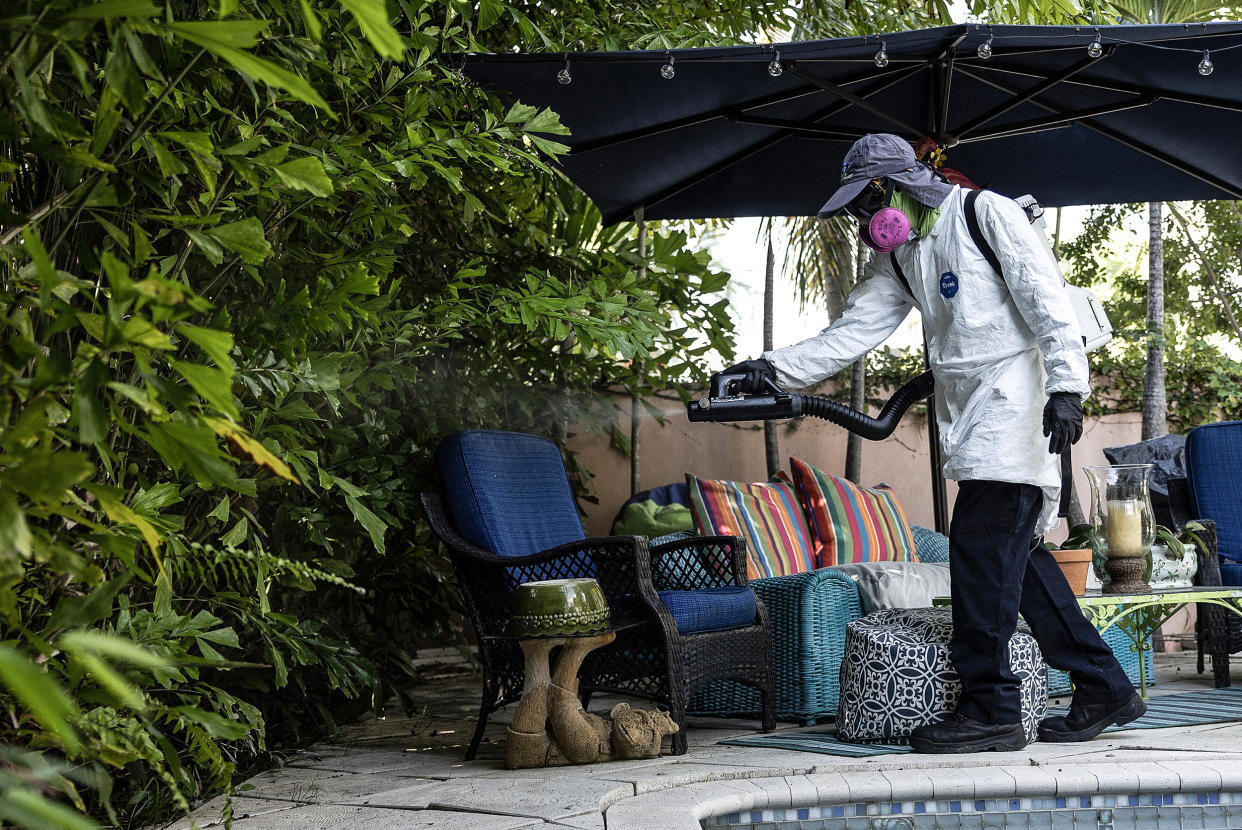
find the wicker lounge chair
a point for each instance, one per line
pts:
(509, 517)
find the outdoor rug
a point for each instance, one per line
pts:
(1182, 709)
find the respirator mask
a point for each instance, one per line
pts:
(883, 228)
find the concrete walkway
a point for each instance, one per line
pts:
(400, 773)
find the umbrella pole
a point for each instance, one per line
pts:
(636, 410)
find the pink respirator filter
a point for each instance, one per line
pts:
(888, 229)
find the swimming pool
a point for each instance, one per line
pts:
(1131, 811)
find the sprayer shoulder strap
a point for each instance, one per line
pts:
(976, 233)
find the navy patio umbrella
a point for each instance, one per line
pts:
(1070, 114)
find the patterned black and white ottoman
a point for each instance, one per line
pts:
(897, 675)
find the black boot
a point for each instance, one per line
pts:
(1086, 720)
(959, 733)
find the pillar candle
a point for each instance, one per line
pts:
(1124, 526)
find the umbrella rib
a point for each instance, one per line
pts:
(1048, 83)
(946, 59)
(1132, 143)
(1040, 124)
(797, 127)
(719, 112)
(1132, 89)
(740, 156)
(857, 100)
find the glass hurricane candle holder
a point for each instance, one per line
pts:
(1122, 516)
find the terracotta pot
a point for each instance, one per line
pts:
(1075, 564)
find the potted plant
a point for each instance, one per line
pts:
(1081, 551)
(1173, 560)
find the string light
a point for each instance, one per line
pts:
(1205, 65)
(1095, 48)
(667, 71)
(563, 77)
(985, 49)
(881, 57)
(774, 68)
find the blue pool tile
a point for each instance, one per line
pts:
(1133, 800)
(804, 815)
(894, 808)
(1213, 798)
(981, 806)
(1202, 798)
(1061, 803)
(756, 816)
(920, 807)
(837, 812)
(735, 818)
(1084, 801)
(1015, 804)
(955, 806)
(860, 809)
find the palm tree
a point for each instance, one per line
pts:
(1155, 403)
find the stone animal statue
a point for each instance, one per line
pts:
(638, 733)
(550, 727)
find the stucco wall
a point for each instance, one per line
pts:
(735, 451)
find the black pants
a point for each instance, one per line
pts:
(995, 575)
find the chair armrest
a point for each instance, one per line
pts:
(1208, 573)
(621, 565)
(696, 562)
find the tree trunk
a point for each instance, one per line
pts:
(636, 409)
(1155, 404)
(771, 444)
(858, 385)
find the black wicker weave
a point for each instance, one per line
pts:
(1218, 633)
(650, 658)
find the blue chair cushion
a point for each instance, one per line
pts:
(1230, 573)
(1213, 458)
(508, 492)
(711, 609)
(930, 546)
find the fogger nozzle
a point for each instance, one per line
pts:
(788, 405)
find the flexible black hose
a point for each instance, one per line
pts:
(785, 405)
(879, 427)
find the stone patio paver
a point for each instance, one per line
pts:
(407, 772)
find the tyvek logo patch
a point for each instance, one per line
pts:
(948, 284)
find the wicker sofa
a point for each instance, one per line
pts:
(808, 613)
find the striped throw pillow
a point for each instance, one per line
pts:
(767, 516)
(852, 523)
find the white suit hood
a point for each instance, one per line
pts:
(998, 345)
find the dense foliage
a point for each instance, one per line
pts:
(259, 256)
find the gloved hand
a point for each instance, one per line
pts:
(757, 374)
(1062, 421)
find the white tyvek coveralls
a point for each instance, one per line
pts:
(997, 347)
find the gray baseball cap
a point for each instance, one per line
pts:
(878, 155)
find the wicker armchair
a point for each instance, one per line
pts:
(1211, 495)
(504, 478)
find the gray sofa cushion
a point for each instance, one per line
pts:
(883, 585)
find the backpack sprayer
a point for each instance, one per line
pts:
(721, 406)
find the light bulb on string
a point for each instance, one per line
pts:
(667, 71)
(563, 77)
(1095, 48)
(881, 57)
(774, 68)
(985, 49)
(1205, 65)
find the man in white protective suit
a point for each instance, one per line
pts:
(1010, 370)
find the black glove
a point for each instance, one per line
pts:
(758, 374)
(1062, 421)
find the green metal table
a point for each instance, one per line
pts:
(1139, 615)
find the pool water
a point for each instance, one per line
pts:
(1138, 811)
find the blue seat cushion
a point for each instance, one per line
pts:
(711, 609)
(1230, 573)
(508, 492)
(1213, 459)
